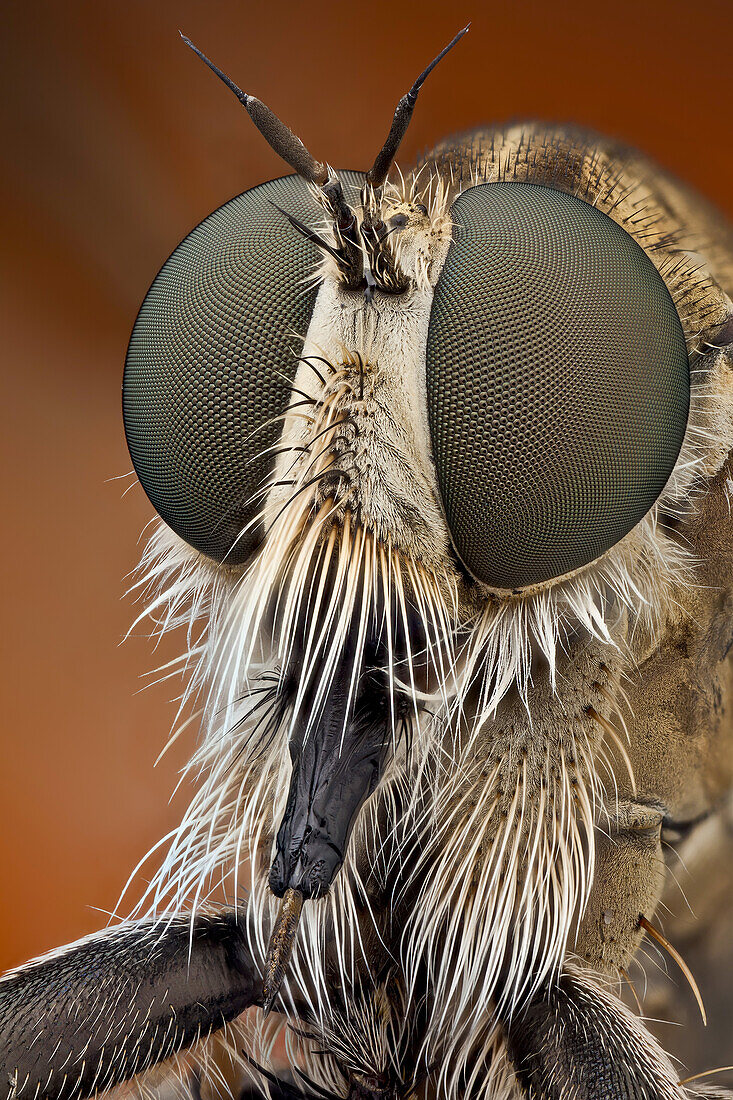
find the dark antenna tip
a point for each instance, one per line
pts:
(277, 135)
(241, 96)
(426, 72)
(377, 174)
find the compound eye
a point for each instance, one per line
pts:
(211, 360)
(558, 383)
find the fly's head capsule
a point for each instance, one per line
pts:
(419, 449)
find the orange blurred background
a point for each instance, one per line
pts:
(117, 142)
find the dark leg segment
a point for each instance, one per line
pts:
(111, 1006)
(581, 1042)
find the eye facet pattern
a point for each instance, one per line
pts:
(558, 383)
(211, 360)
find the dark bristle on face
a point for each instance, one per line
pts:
(210, 363)
(557, 381)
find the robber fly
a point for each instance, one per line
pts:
(443, 470)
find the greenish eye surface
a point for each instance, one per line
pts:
(558, 383)
(211, 360)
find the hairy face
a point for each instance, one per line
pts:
(456, 573)
(444, 477)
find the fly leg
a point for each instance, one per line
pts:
(101, 1011)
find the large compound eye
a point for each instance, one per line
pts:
(210, 361)
(557, 382)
